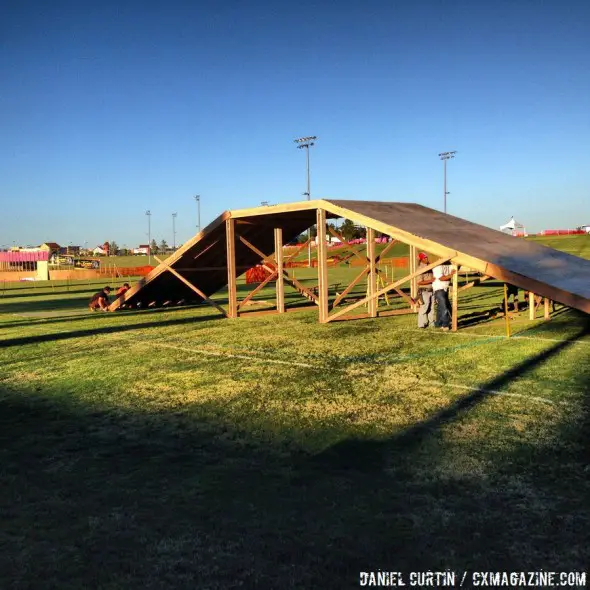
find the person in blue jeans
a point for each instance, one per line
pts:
(443, 273)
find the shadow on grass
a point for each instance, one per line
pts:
(95, 331)
(99, 497)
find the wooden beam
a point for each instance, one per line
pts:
(414, 281)
(506, 316)
(198, 291)
(299, 287)
(348, 289)
(386, 250)
(256, 290)
(274, 209)
(322, 253)
(345, 244)
(455, 305)
(546, 302)
(298, 249)
(265, 258)
(230, 240)
(280, 282)
(532, 307)
(372, 276)
(206, 249)
(387, 288)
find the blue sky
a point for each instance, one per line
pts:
(108, 109)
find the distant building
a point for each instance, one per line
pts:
(53, 248)
(99, 251)
(75, 250)
(142, 249)
(585, 228)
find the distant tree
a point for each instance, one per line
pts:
(163, 246)
(113, 249)
(348, 230)
(154, 247)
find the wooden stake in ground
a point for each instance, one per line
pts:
(506, 318)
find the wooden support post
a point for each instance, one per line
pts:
(322, 252)
(547, 315)
(280, 282)
(506, 317)
(231, 268)
(414, 281)
(455, 303)
(372, 276)
(532, 307)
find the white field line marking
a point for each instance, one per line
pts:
(495, 392)
(265, 359)
(248, 357)
(498, 337)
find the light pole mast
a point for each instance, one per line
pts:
(307, 142)
(174, 231)
(444, 156)
(149, 216)
(198, 200)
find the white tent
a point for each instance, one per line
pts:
(513, 227)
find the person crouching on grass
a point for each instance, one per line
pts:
(100, 300)
(120, 294)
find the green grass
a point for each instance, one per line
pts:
(174, 449)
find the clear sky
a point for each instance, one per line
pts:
(111, 108)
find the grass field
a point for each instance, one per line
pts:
(173, 449)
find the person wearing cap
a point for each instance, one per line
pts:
(425, 294)
(100, 300)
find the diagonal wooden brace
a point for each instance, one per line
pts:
(191, 286)
(390, 287)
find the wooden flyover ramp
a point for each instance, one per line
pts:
(239, 239)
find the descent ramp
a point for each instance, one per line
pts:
(202, 260)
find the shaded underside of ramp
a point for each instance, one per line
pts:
(203, 260)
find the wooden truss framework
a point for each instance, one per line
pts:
(274, 264)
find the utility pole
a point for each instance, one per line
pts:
(149, 216)
(174, 231)
(198, 200)
(444, 156)
(307, 142)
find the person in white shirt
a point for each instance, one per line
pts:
(443, 273)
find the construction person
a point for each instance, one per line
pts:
(425, 294)
(512, 290)
(443, 273)
(100, 300)
(122, 290)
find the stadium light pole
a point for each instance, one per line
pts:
(198, 200)
(306, 143)
(174, 231)
(149, 216)
(444, 156)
